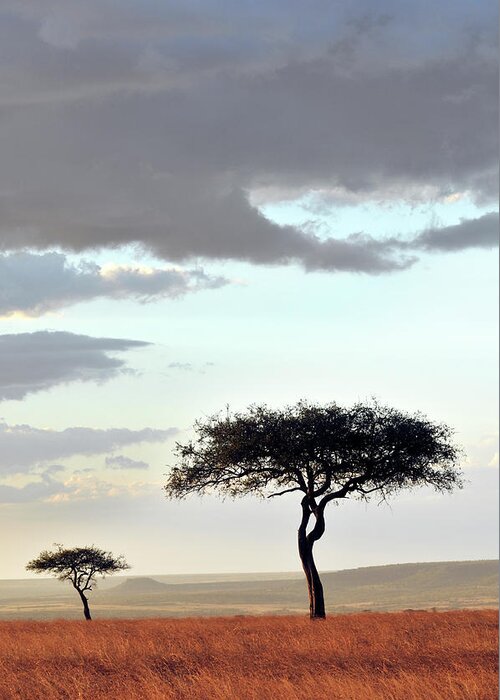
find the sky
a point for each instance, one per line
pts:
(212, 204)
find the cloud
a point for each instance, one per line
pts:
(189, 367)
(77, 487)
(483, 452)
(85, 487)
(494, 460)
(122, 462)
(31, 362)
(469, 233)
(24, 446)
(154, 124)
(41, 489)
(33, 284)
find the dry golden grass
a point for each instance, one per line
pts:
(372, 656)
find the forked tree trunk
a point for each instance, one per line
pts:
(314, 585)
(86, 609)
(306, 544)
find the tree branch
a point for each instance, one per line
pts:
(319, 527)
(300, 480)
(349, 486)
(281, 493)
(326, 485)
(87, 586)
(306, 514)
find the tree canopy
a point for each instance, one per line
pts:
(326, 452)
(79, 566)
(323, 452)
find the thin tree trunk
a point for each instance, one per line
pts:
(306, 543)
(314, 585)
(86, 609)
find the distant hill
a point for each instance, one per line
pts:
(140, 585)
(439, 585)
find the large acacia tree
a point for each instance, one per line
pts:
(324, 453)
(79, 566)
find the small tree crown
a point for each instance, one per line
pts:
(79, 565)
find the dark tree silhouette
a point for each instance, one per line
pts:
(79, 566)
(325, 453)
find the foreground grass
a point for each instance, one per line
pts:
(368, 656)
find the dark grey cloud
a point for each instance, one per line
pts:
(31, 362)
(158, 124)
(123, 462)
(469, 233)
(22, 447)
(34, 284)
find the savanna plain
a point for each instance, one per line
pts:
(410, 655)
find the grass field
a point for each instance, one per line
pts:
(366, 656)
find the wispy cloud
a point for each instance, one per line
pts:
(31, 362)
(85, 487)
(183, 366)
(469, 233)
(123, 462)
(32, 284)
(190, 367)
(484, 452)
(40, 488)
(76, 487)
(24, 446)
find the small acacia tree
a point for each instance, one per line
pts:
(325, 453)
(79, 566)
